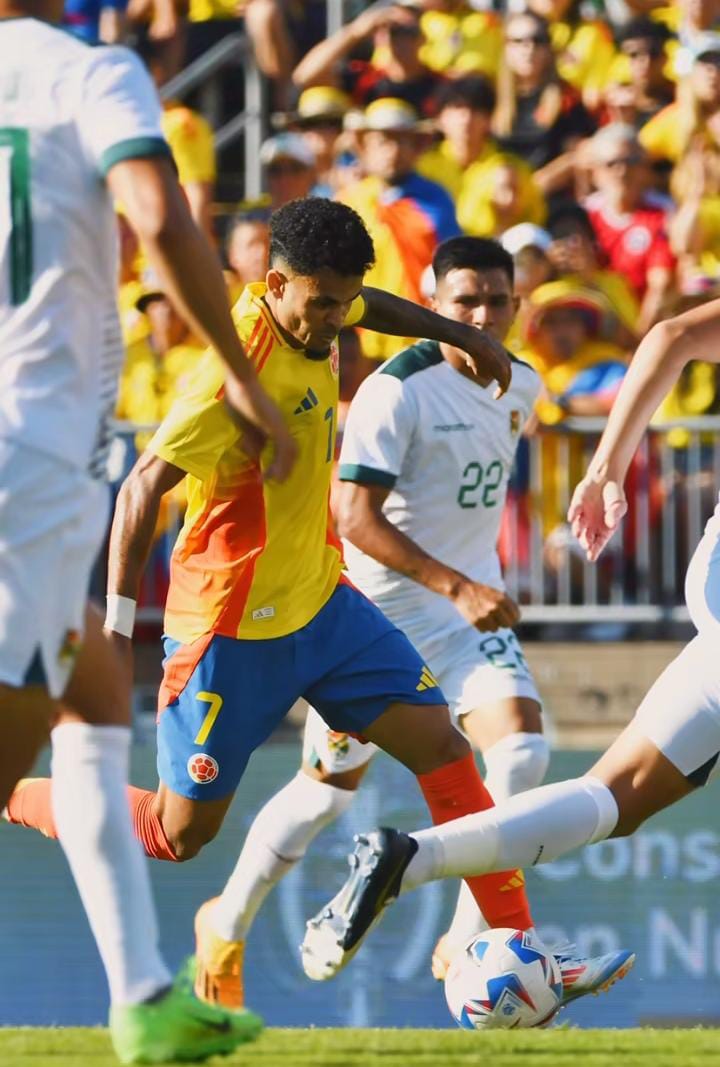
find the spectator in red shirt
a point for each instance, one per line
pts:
(629, 222)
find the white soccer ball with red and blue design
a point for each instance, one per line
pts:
(503, 979)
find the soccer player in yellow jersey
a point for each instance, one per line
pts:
(258, 611)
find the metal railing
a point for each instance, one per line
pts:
(672, 489)
(204, 74)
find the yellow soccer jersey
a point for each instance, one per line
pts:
(254, 559)
(191, 142)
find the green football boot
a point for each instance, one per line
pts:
(178, 1028)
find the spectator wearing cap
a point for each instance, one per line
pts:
(581, 373)
(407, 215)
(539, 116)
(694, 118)
(629, 223)
(395, 70)
(491, 189)
(159, 366)
(529, 246)
(318, 119)
(289, 166)
(576, 258)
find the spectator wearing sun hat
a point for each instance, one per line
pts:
(407, 215)
(318, 119)
(289, 167)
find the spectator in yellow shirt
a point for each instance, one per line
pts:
(159, 366)
(406, 214)
(695, 115)
(583, 45)
(247, 249)
(460, 39)
(492, 189)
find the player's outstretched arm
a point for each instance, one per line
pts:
(361, 520)
(190, 271)
(598, 503)
(393, 315)
(131, 535)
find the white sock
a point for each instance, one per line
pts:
(533, 827)
(89, 799)
(515, 763)
(276, 841)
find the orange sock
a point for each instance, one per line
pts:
(455, 790)
(147, 826)
(30, 805)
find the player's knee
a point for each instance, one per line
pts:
(516, 763)
(453, 746)
(187, 841)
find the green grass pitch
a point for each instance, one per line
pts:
(398, 1048)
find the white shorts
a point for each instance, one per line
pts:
(52, 522)
(473, 669)
(681, 712)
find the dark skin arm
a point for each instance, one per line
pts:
(361, 520)
(390, 314)
(134, 521)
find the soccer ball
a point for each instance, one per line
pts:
(503, 979)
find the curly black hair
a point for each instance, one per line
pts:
(313, 233)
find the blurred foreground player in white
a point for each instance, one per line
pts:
(670, 748)
(425, 461)
(77, 126)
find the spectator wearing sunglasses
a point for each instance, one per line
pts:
(581, 41)
(539, 116)
(630, 225)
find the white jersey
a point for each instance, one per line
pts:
(445, 449)
(68, 113)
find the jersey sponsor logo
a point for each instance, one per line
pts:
(202, 768)
(334, 358)
(308, 402)
(449, 427)
(263, 613)
(427, 681)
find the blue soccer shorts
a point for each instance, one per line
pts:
(349, 662)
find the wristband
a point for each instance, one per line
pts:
(120, 614)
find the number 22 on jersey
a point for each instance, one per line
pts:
(16, 245)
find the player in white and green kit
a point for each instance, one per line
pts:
(79, 126)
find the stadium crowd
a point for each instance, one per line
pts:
(584, 136)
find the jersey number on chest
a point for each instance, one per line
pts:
(480, 485)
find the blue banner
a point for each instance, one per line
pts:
(655, 893)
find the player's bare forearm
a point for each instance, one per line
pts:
(654, 369)
(386, 313)
(134, 522)
(361, 520)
